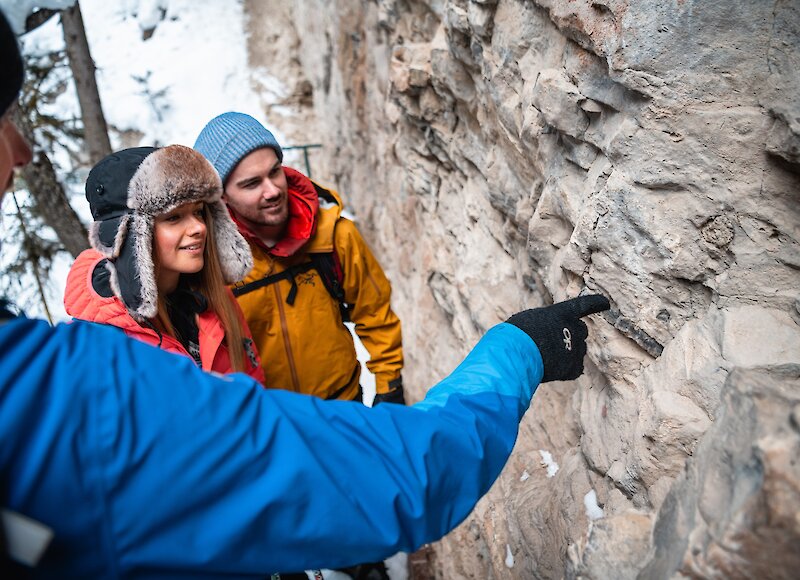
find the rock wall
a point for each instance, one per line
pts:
(502, 154)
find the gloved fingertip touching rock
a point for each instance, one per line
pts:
(560, 334)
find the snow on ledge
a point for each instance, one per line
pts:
(593, 510)
(509, 557)
(547, 461)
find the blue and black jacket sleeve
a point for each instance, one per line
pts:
(142, 464)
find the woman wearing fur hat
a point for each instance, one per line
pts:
(164, 248)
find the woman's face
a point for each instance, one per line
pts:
(179, 244)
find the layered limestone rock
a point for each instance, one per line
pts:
(502, 154)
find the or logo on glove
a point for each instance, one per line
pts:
(560, 334)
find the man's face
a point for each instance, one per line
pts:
(257, 192)
(14, 152)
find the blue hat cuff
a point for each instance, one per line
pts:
(229, 137)
(241, 145)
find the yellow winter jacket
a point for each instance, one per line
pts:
(305, 347)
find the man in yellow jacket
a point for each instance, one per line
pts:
(312, 270)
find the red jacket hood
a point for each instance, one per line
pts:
(82, 301)
(303, 209)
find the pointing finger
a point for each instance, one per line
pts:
(590, 304)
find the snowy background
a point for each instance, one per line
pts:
(157, 91)
(164, 69)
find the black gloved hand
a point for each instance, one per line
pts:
(560, 334)
(394, 395)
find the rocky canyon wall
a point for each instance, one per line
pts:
(503, 154)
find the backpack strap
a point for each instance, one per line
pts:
(328, 264)
(288, 274)
(330, 272)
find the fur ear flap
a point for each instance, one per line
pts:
(94, 240)
(132, 273)
(99, 230)
(113, 279)
(141, 232)
(235, 256)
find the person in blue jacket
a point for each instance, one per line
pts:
(120, 460)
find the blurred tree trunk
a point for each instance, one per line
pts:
(48, 193)
(83, 72)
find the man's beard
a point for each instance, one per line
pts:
(273, 221)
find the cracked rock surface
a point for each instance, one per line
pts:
(503, 154)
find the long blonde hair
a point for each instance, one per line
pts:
(211, 284)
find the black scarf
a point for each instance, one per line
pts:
(183, 306)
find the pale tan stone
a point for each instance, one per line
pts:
(502, 154)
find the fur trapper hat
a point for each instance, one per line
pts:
(126, 192)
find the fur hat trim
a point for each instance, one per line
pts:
(165, 179)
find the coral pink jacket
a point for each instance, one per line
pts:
(82, 301)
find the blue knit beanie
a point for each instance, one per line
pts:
(228, 138)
